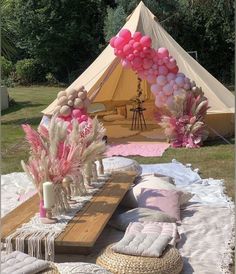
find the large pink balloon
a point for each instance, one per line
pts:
(137, 36)
(161, 80)
(162, 70)
(119, 42)
(125, 33)
(146, 41)
(162, 52)
(112, 41)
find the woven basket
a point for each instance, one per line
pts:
(52, 269)
(169, 263)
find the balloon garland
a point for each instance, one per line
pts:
(168, 85)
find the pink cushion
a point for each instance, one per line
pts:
(164, 200)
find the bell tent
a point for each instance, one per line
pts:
(108, 82)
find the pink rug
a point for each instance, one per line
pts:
(137, 148)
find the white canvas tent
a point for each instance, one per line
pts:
(107, 81)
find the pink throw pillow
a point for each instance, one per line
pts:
(167, 201)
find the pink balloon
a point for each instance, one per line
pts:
(127, 49)
(171, 76)
(125, 33)
(131, 42)
(137, 62)
(112, 41)
(137, 36)
(119, 42)
(158, 103)
(170, 65)
(146, 41)
(156, 59)
(142, 54)
(130, 57)
(175, 69)
(137, 46)
(172, 83)
(175, 87)
(120, 53)
(151, 79)
(162, 70)
(76, 113)
(83, 118)
(154, 66)
(165, 60)
(147, 63)
(136, 52)
(126, 64)
(167, 89)
(179, 81)
(160, 62)
(155, 72)
(155, 89)
(162, 52)
(161, 80)
(145, 49)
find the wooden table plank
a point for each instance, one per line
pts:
(20, 215)
(84, 229)
(88, 226)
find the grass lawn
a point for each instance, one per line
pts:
(215, 159)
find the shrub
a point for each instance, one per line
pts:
(6, 68)
(51, 79)
(29, 71)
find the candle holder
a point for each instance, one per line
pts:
(49, 219)
(66, 185)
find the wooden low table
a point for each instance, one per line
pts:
(83, 230)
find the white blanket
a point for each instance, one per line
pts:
(205, 234)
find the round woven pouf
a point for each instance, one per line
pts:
(169, 263)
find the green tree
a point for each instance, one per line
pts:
(62, 34)
(7, 29)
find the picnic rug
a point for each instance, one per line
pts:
(206, 230)
(145, 149)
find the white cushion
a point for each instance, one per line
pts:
(121, 164)
(121, 221)
(21, 263)
(151, 181)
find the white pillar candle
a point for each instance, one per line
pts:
(48, 195)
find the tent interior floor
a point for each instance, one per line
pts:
(120, 132)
